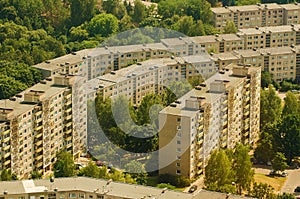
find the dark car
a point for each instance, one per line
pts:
(193, 188)
(297, 190)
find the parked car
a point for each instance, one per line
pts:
(193, 189)
(297, 190)
(284, 174)
(272, 173)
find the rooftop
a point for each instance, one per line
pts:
(176, 41)
(292, 6)
(101, 186)
(69, 59)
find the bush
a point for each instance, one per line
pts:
(166, 185)
(177, 181)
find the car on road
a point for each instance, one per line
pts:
(193, 189)
(284, 174)
(272, 173)
(297, 190)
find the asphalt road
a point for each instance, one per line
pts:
(293, 180)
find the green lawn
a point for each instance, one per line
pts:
(275, 182)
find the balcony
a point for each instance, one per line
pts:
(246, 113)
(224, 144)
(68, 96)
(68, 124)
(38, 128)
(38, 120)
(69, 117)
(39, 157)
(6, 155)
(200, 127)
(6, 147)
(7, 162)
(199, 164)
(68, 102)
(224, 109)
(38, 113)
(38, 143)
(200, 135)
(224, 131)
(38, 150)
(225, 102)
(200, 142)
(39, 165)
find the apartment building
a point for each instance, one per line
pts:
(39, 122)
(150, 76)
(219, 113)
(260, 15)
(282, 62)
(220, 43)
(89, 188)
(91, 63)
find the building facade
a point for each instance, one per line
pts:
(219, 113)
(260, 15)
(39, 122)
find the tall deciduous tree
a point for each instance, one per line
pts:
(218, 170)
(139, 11)
(137, 171)
(288, 138)
(264, 150)
(64, 166)
(291, 104)
(103, 24)
(81, 11)
(242, 167)
(270, 107)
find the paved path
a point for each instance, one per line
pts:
(199, 182)
(293, 180)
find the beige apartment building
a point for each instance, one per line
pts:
(90, 188)
(150, 76)
(282, 62)
(219, 113)
(39, 122)
(260, 15)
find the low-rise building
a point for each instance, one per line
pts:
(83, 187)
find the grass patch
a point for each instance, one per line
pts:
(276, 182)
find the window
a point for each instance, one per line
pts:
(81, 195)
(72, 195)
(91, 197)
(178, 172)
(178, 127)
(178, 164)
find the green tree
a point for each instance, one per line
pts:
(288, 137)
(147, 111)
(81, 11)
(270, 107)
(262, 191)
(218, 171)
(91, 170)
(103, 24)
(139, 11)
(230, 27)
(64, 165)
(6, 175)
(36, 175)
(266, 79)
(291, 104)
(286, 196)
(242, 166)
(115, 7)
(264, 150)
(9, 87)
(279, 162)
(137, 171)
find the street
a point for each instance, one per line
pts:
(293, 180)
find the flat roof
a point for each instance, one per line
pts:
(71, 59)
(177, 41)
(226, 56)
(220, 10)
(291, 6)
(197, 58)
